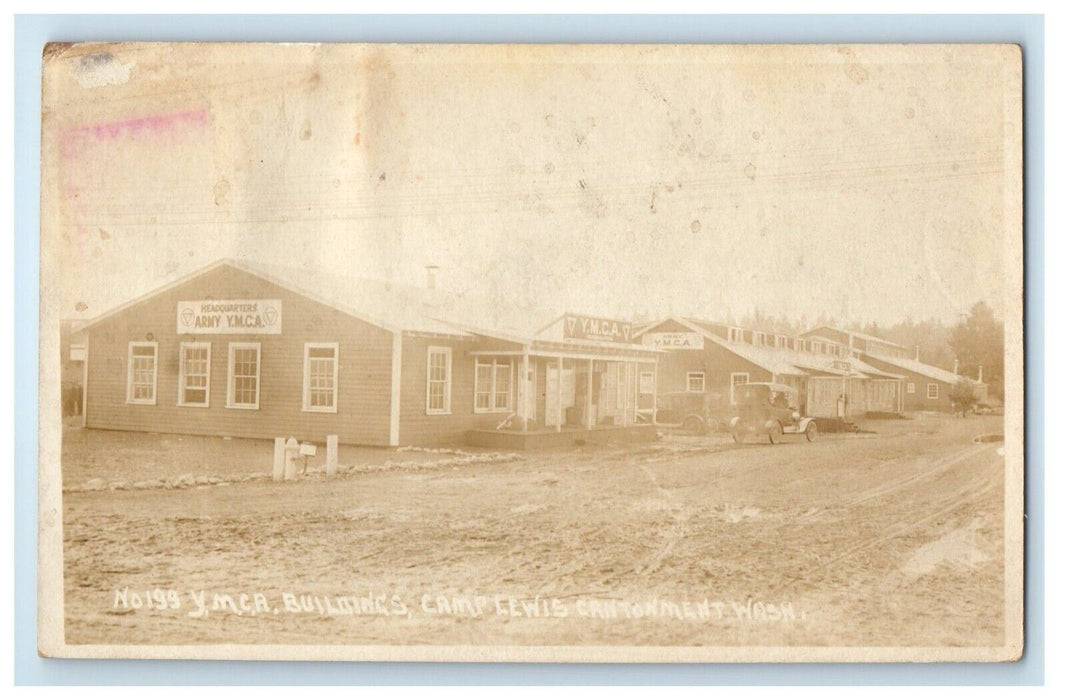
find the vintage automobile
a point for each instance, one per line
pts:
(697, 413)
(770, 410)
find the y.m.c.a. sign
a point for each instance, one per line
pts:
(230, 316)
(592, 328)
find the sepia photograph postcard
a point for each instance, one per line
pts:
(551, 353)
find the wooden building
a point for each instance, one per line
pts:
(243, 350)
(925, 387)
(704, 356)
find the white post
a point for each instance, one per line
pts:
(525, 393)
(292, 453)
(588, 398)
(625, 394)
(655, 392)
(279, 459)
(331, 455)
(558, 394)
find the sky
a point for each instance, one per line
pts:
(863, 183)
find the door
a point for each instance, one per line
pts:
(554, 414)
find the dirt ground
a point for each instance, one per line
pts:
(892, 538)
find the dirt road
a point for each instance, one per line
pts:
(690, 541)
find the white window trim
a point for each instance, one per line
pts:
(733, 381)
(646, 375)
(129, 372)
(911, 388)
(447, 352)
(258, 374)
(335, 347)
(181, 376)
(688, 382)
(493, 363)
(932, 391)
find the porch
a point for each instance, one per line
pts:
(551, 393)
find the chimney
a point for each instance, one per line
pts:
(980, 373)
(956, 365)
(917, 353)
(431, 276)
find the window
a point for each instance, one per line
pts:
(910, 387)
(492, 385)
(735, 335)
(697, 382)
(141, 373)
(735, 380)
(817, 346)
(439, 381)
(932, 390)
(194, 375)
(243, 389)
(320, 377)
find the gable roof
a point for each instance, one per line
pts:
(391, 309)
(783, 361)
(917, 367)
(865, 336)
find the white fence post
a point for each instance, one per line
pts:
(279, 459)
(292, 453)
(331, 455)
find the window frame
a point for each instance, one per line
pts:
(494, 364)
(912, 388)
(308, 347)
(230, 388)
(182, 375)
(733, 383)
(447, 352)
(688, 382)
(932, 391)
(155, 372)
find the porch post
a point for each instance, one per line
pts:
(655, 392)
(588, 398)
(625, 402)
(558, 394)
(523, 391)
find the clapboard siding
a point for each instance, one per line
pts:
(364, 371)
(716, 362)
(918, 401)
(417, 426)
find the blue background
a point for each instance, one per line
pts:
(32, 32)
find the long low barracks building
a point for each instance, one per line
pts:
(242, 350)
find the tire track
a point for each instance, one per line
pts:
(964, 497)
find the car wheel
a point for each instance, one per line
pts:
(712, 426)
(693, 426)
(775, 433)
(811, 432)
(738, 435)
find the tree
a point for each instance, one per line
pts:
(977, 341)
(963, 396)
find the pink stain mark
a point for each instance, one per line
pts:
(72, 140)
(75, 141)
